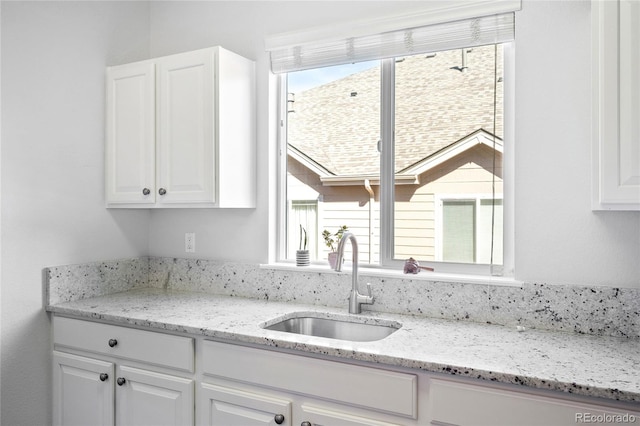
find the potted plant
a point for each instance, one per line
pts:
(302, 254)
(331, 241)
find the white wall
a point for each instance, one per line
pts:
(53, 61)
(240, 27)
(559, 240)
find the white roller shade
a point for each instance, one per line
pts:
(432, 38)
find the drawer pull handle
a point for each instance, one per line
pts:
(121, 381)
(104, 377)
(279, 419)
(112, 342)
(305, 424)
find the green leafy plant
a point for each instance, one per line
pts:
(303, 240)
(332, 240)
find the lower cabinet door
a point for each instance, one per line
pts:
(150, 398)
(224, 406)
(315, 415)
(83, 391)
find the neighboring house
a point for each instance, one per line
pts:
(447, 158)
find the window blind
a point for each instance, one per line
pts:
(431, 38)
(458, 231)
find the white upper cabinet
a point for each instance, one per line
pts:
(616, 106)
(185, 157)
(130, 147)
(181, 132)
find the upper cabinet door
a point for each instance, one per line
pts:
(130, 134)
(616, 107)
(186, 128)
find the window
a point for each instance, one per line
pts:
(464, 230)
(333, 129)
(405, 151)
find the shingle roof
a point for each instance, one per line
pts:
(436, 106)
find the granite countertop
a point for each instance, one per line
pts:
(606, 367)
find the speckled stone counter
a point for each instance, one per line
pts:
(599, 366)
(606, 311)
(580, 340)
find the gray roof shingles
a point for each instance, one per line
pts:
(435, 107)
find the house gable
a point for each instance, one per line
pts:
(410, 175)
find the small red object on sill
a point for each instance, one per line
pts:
(411, 266)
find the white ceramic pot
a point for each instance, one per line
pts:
(302, 257)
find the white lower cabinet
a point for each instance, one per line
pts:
(151, 398)
(222, 405)
(487, 405)
(248, 386)
(312, 414)
(83, 392)
(228, 405)
(110, 375)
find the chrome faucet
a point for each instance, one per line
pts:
(355, 298)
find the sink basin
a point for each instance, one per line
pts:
(346, 328)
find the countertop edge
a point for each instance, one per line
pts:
(540, 383)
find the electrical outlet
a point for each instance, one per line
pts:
(190, 242)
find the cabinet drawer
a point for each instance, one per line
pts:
(145, 346)
(495, 407)
(372, 388)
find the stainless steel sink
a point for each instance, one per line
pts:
(345, 328)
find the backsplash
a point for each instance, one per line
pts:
(592, 310)
(73, 282)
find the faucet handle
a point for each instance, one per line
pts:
(369, 290)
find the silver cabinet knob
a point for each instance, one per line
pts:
(279, 419)
(113, 342)
(162, 191)
(104, 377)
(121, 381)
(146, 191)
(305, 424)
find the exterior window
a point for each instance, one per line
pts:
(465, 231)
(445, 112)
(333, 132)
(458, 231)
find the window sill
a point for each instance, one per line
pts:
(391, 273)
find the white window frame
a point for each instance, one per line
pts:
(386, 175)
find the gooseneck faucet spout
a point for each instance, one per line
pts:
(356, 299)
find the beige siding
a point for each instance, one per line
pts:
(356, 216)
(415, 208)
(466, 174)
